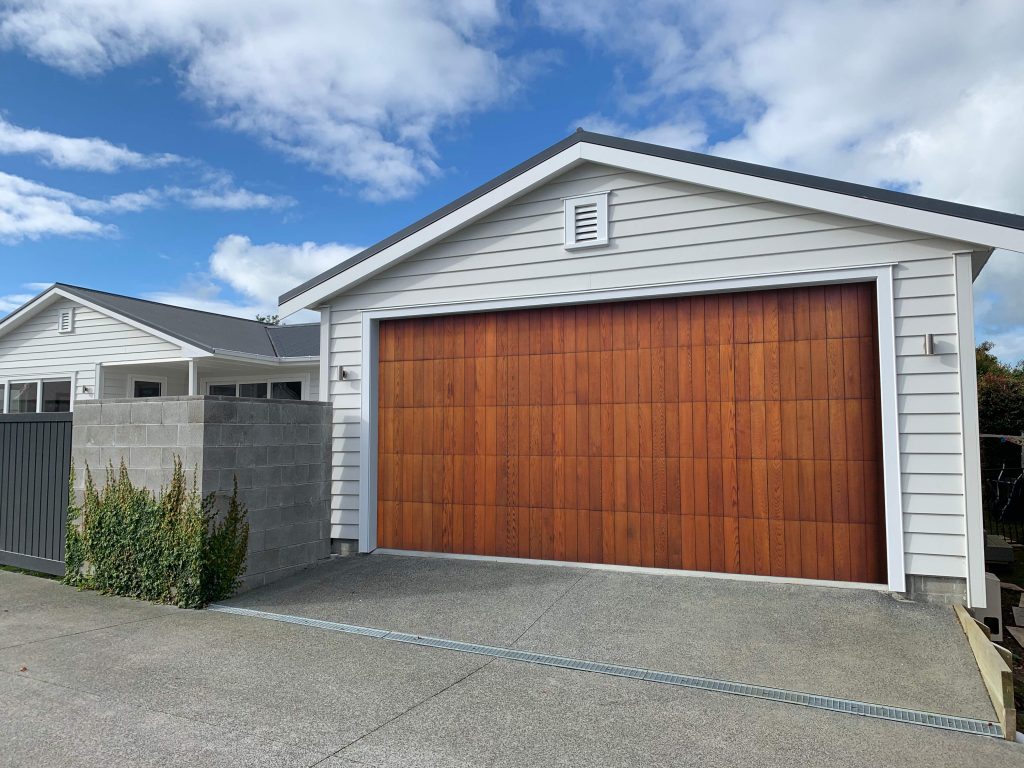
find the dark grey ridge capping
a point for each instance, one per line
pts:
(997, 218)
(210, 331)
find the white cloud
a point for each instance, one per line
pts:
(243, 278)
(923, 95)
(29, 210)
(220, 193)
(263, 272)
(87, 154)
(355, 90)
(12, 301)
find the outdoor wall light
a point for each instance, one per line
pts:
(929, 343)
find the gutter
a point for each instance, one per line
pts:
(267, 359)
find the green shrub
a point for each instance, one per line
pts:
(167, 547)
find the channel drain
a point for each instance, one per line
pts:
(829, 703)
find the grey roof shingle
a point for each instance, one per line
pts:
(208, 330)
(998, 218)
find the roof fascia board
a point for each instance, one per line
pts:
(228, 354)
(28, 310)
(481, 206)
(964, 231)
(43, 300)
(936, 224)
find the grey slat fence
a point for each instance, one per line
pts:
(35, 461)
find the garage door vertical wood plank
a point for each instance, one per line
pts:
(733, 432)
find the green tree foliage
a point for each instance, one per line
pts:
(167, 547)
(269, 319)
(1000, 393)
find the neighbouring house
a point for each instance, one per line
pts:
(624, 354)
(71, 344)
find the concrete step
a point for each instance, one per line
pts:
(1017, 633)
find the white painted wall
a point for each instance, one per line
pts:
(35, 350)
(666, 232)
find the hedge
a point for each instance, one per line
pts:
(167, 547)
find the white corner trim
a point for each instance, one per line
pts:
(325, 354)
(976, 593)
(368, 435)
(882, 277)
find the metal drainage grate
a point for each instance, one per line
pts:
(846, 706)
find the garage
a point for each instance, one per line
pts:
(730, 433)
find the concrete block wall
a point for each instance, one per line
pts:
(279, 451)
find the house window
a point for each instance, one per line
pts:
(286, 390)
(258, 389)
(281, 390)
(56, 397)
(586, 221)
(147, 388)
(24, 397)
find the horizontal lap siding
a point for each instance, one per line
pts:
(665, 231)
(35, 350)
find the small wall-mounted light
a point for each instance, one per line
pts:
(929, 343)
(342, 373)
(85, 389)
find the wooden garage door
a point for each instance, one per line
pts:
(734, 433)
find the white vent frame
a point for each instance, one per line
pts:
(66, 320)
(593, 208)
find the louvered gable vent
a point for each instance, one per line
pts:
(586, 220)
(66, 320)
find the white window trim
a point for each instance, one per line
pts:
(302, 378)
(881, 275)
(600, 200)
(140, 377)
(5, 403)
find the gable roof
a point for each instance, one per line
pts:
(781, 185)
(208, 331)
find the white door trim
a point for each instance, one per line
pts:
(881, 275)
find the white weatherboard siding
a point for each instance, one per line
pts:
(670, 232)
(34, 349)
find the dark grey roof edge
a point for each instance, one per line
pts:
(430, 218)
(89, 294)
(904, 199)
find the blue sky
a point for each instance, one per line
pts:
(215, 154)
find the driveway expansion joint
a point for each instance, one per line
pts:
(843, 706)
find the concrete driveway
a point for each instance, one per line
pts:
(109, 681)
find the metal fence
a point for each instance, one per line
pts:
(35, 461)
(1003, 501)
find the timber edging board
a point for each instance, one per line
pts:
(994, 672)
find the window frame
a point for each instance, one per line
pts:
(302, 378)
(161, 380)
(5, 386)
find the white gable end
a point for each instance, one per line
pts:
(664, 232)
(37, 349)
